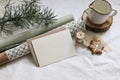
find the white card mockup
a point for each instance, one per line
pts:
(53, 47)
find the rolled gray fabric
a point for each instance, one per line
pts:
(16, 39)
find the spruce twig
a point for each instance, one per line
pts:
(29, 12)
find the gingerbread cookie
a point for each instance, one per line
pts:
(96, 47)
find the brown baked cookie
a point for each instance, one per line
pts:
(96, 47)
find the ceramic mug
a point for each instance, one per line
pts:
(100, 11)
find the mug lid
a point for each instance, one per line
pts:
(101, 6)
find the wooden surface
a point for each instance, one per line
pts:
(94, 27)
(3, 58)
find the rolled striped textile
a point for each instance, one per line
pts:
(14, 53)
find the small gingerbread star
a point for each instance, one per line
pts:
(96, 47)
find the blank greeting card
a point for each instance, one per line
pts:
(53, 48)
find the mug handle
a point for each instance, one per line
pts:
(114, 12)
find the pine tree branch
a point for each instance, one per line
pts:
(26, 14)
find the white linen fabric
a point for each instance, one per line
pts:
(82, 67)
